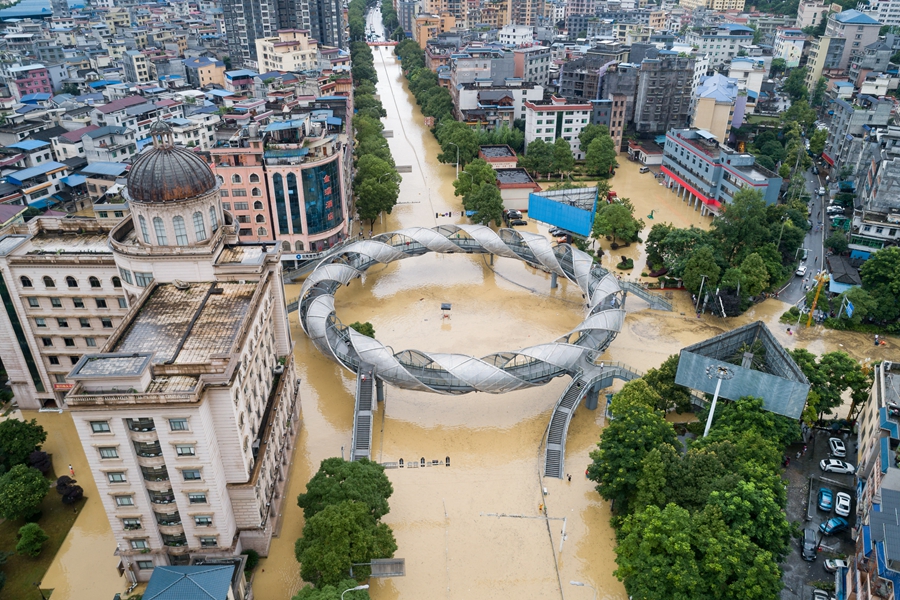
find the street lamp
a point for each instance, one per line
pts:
(457, 158)
(783, 222)
(37, 584)
(364, 586)
(582, 584)
(720, 373)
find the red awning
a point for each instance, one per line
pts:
(828, 159)
(692, 189)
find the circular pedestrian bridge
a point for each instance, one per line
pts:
(451, 373)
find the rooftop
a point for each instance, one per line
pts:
(188, 326)
(207, 582)
(50, 242)
(513, 177)
(498, 151)
(855, 17)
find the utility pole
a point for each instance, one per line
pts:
(700, 294)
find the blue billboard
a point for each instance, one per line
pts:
(572, 210)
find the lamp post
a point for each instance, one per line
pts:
(582, 584)
(37, 584)
(783, 222)
(364, 586)
(720, 373)
(700, 294)
(457, 158)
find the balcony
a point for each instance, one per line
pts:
(155, 473)
(174, 541)
(168, 520)
(163, 497)
(148, 449)
(141, 425)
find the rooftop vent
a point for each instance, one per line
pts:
(181, 285)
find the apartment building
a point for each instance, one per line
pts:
(532, 64)
(811, 12)
(29, 79)
(856, 28)
(715, 106)
(114, 143)
(137, 67)
(713, 5)
(720, 43)
(292, 50)
(204, 71)
(555, 119)
(484, 104)
(789, 45)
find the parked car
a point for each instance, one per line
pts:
(833, 564)
(821, 190)
(834, 525)
(810, 545)
(842, 505)
(821, 595)
(517, 222)
(835, 210)
(837, 447)
(832, 465)
(512, 214)
(826, 499)
(644, 170)
(801, 271)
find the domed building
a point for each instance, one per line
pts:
(177, 223)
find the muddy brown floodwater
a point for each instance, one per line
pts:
(452, 547)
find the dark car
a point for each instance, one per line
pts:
(517, 222)
(810, 545)
(834, 525)
(512, 214)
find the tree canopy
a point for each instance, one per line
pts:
(18, 439)
(617, 219)
(337, 480)
(600, 158)
(22, 490)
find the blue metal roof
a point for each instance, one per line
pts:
(222, 93)
(240, 73)
(334, 121)
(103, 83)
(105, 168)
(28, 145)
(73, 180)
(282, 125)
(35, 97)
(208, 582)
(854, 17)
(20, 176)
(43, 202)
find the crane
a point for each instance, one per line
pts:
(822, 278)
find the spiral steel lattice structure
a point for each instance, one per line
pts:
(459, 373)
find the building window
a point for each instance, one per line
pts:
(145, 565)
(91, 342)
(184, 449)
(254, 178)
(241, 206)
(178, 424)
(191, 474)
(257, 205)
(199, 226)
(131, 524)
(116, 477)
(40, 322)
(144, 232)
(197, 498)
(100, 426)
(107, 323)
(255, 192)
(208, 542)
(143, 279)
(261, 231)
(25, 281)
(69, 342)
(235, 179)
(180, 231)
(213, 218)
(126, 275)
(123, 303)
(59, 378)
(55, 302)
(78, 302)
(101, 302)
(124, 500)
(139, 545)
(54, 360)
(85, 323)
(62, 322)
(34, 302)
(95, 283)
(70, 281)
(109, 452)
(160, 229)
(48, 282)
(203, 521)
(47, 342)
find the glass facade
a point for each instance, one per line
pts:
(280, 208)
(322, 193)
(294, 196)
(20, 335)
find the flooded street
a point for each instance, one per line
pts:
(452, 547)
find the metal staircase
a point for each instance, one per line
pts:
(361, 444)
(654, 300)
(559, 426)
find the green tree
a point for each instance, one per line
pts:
(747, 415)
(616, 463)
(590, 132)
(755, 274)
(837, 242)
(600, 158)
(616, 219)
(538, 158)
(818, 95)
(833, 374)
(18, 439)
(363, 328)
(374, 197)
(338, 536)
(662, 381)
(773, 150)
(881, 278)
(635, 393)
(817, 141)
(863, 304)
(476, 173)
(449, 133)
(332, 592)
(487, 204)
(338, 480)
(31, 540)
(563, 161)
(22, 490)
(742, 226)
(370, 167)
(795, 85)
(779, 65)
(702, 262)
(800, 112)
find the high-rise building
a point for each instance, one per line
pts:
(326, 22)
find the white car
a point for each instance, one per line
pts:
(821, 191)
(801, 271)
(833, 564)
(837, 447)
(834, 210)
(833, 465)
(842, 504)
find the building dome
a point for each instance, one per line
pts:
(167, 173)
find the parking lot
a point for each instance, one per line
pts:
(805, 478)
